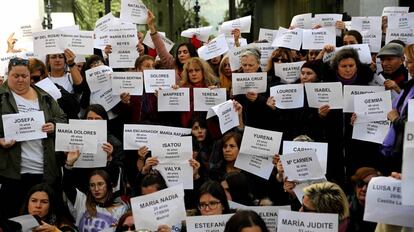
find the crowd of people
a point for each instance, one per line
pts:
(37, 180)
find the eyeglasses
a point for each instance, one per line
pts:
(128, 228)
(19, 61)
(210, 205)
(279, 59)
(99, 185)
(361, 183)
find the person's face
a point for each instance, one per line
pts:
(210, 205)
(1, 80)
(199, 132)
(35, 76)
(38, 204)
(147, 65)
(195, 74)
(347, 68)
(183, 54)
(349, 39)
(249, 64)
(93, 116)
(98, 188)
(230, 150)
(227, 69)
(216, 60)
(410, 66)
(390, 64)
(226, 188)
(361, 188)
(251, 229)
(312, 54)
(307, 205)
(140, 36)
(128, 224)
(57, 61)
(96, 63)
(307, 75)
(19, 79)
(149, 189)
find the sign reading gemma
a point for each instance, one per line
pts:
(372, 106)
(24, 126)
(290, 221)
(165, 207)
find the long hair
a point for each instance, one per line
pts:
(49, 68)
(215, 189)
(279, 52)
(239, 188)
(97, 109)
(243, 219)
(209, 78)
(191, 49)
(90, 200)
(140, 60)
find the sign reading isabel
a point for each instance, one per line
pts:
(288, 96)
(257, 150)
(174, 99)
(209, 223)
(291, 221)
(246, 82)
(320, 94)
(165, 207)
(158, 79)
(205, 98)
(71, 137)
(385, 193)
(372, 106)
(24, 126)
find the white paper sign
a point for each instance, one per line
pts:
(289, 73)
(318, 38)
(302, 166)
(405, 35)
(123, 57)
(105, 97)
(177, 173)
(165, 207)
(327, 20)
(409, 134)
(410, 110)
(171, 148)
(76, 137)
(372, 106)
(394, 10)
(48, 86)
(291, 221)
(103, 23)
(266, 50)
(93, 160)
(228, 117)
(98, 77)
(167, 43)
(201, 33)
(136, 136)
(385, 193)
(362, 49)
(46, 42)
(174, 99)
(205, 98)
(269, 214)
(288, 96)
(407, 183)
(214, 48)
(320, 94)
(371, 131)
(267, 34)
(241, 23)
(321, 150)
(288, 38)
(129, 82)
(352, 90)
(209, 223)
(79, 42)
(257, 150)
(24, 126)
(372, 23)
(378, 80)
(247, 82)
(373, 39)
(234, 57)
(28, 222)
(156, 79)
(134, 11)
(123, 35)
(302, 21)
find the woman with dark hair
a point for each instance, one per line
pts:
(213, 200)
(245, 220)
(202, 145)
(54, 214)
(351, 37)
(237, 188)
(96, 209)
(184, 51)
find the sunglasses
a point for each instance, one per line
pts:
(35, 78)
(278, 59)
(361, 183)
(128, 228)
(19, 61)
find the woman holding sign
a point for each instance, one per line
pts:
(30, 161)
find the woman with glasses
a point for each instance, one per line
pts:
(213, 200)
(96, 209)
(327, 197)
(26, 163)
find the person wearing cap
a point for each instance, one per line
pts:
(392, 62)
(356, 200)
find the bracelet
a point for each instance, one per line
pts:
(69, 167)
(71, 65)
(154, 33)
